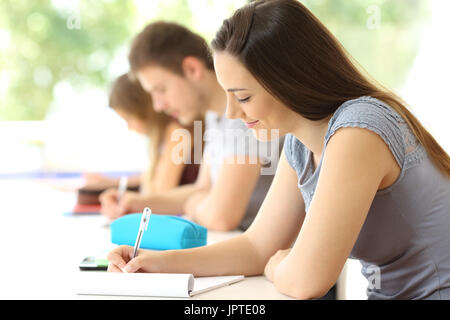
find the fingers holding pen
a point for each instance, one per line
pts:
(117, 263)
(108, 201)
(146, 261)
(130, 259)
(114, 206)
(118, 258)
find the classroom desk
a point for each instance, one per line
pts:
(41, 248)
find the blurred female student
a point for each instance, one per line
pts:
(131, 102)
(359, 176)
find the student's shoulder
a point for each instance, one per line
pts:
(364, 111)
(374, 115)
(173, 131)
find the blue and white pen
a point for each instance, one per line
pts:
(142, 227)
(122, 187)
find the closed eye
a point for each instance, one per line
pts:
(158, 89)
(244, 100)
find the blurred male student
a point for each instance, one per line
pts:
(176, 67)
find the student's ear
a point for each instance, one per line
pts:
(193, 68)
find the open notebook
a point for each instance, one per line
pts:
(170, 285)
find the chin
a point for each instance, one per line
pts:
(266, 134)
(184, 121)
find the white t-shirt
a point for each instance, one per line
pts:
(230, 140)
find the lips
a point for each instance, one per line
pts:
(251, 124)
(172, 114)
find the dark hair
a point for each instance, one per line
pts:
(167, 44)
(299, 61)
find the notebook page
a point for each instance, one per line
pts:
(204, 284)
(135, 284)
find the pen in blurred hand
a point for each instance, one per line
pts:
(122, 187)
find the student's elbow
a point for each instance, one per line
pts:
(306, 289)
(308, 294)
(220, 220)
(297, 292)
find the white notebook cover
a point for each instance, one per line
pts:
(172, 285)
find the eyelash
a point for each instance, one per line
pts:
(243, 100)
(159, 90)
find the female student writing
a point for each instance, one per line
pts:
(359, 176)
(131, 102)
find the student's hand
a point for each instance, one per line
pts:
(110, 208)
(273, 262)
(129, 202)
(132, 202)
(99, 181)
(120, 260)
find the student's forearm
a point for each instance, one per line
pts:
(134, 181)
(217, 216)
(230, 257)
(171, 202)
(225, 205)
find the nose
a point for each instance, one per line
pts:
(233, 111)
(159, 104)
(131, 126)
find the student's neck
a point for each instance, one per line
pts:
(216, 99)
(311, 133)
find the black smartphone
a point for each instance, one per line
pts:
(91, 263)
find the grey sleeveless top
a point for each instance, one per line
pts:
(404, 244)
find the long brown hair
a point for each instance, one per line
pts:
(128, 95)
(299, 61)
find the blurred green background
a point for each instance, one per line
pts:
(43, 42)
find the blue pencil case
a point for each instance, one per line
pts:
(164, 232)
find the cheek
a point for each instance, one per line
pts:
(178, 94)
(273, 112)
(189, 98)
(260, 110)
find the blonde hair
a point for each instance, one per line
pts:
(128, 95)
